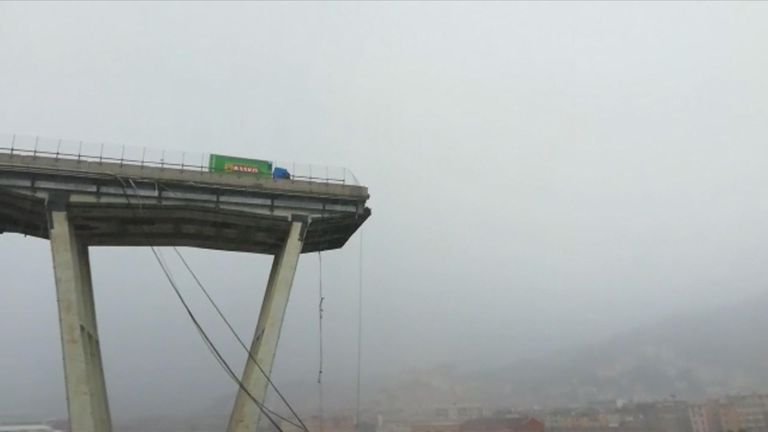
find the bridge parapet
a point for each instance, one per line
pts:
(54, 148)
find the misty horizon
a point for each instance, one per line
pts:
(543, 177)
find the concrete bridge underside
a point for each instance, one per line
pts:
(77, 204)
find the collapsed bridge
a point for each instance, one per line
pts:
(79, 200)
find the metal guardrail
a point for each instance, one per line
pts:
(144, 156)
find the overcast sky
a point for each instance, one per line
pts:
(541, 175)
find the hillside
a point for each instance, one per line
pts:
(700, 355)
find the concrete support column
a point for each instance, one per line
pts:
(83, 372)
(246, 415)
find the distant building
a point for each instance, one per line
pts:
(325, 424)
(730, 421)
(666, 416)
(436, 427)
(502, 424)
(609, 420)
(705, 417)
(394, 426)
(457, 412)
(750, 413)
(61, 425)
(746, 413)
(27, 428)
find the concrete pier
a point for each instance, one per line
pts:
(83, 371)
(246, 415)
(80, 204)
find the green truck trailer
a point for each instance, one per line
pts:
(231, 164)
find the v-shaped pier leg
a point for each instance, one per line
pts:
(246, 415)
(83, 371)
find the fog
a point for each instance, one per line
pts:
(541, 176)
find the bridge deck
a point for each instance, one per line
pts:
(128, 205)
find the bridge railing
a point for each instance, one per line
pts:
(149, 157)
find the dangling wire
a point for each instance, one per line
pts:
(359, 330)
(321, 299)
(268, 413)
(300, 424)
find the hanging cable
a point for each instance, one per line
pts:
(210, 344)
(301, 424)
(206, 339)
(202, 287)
(359, 330)
(320, 335)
